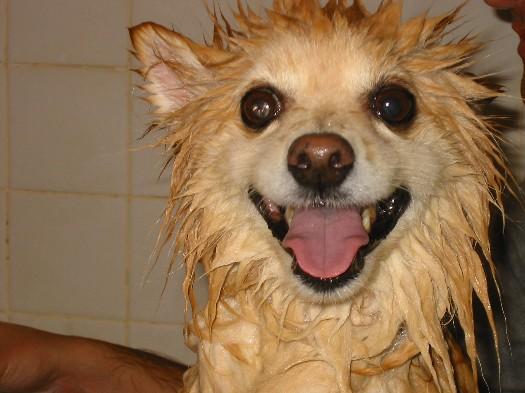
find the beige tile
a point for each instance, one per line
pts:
(3, 270)
(3, 20)
(148, 176)
(3, 127)
(69, 31)
(3, 317)
(69, 129)
(53, 325)
(67, 254)
(113, 332)
(155, 295)
(166, 340)
(147, 163)
(186, 16)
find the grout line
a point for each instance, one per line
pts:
(81, 66)
(129, 163)
(84, 193)
(7, 121)
(77, 317)
(6, 31)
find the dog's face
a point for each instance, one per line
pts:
(325, 152)
(338, 152)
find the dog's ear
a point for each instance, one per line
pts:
(170, 65)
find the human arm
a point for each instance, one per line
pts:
(37, 361)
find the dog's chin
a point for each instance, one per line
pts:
(366, 228)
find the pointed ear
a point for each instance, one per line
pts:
(170, 65)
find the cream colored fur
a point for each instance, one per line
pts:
(262, 330)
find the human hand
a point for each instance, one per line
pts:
(505, 4)
(518, 24)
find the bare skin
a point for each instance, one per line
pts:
(518, 24)
(36, 361)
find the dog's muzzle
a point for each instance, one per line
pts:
(328, 239)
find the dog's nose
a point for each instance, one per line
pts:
(320, 161)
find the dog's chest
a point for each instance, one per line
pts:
(242, 356)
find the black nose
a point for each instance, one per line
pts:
(320, 161)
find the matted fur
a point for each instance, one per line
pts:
(256, 333)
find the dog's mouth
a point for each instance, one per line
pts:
(329, 244)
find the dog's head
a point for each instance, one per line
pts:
(331, 156)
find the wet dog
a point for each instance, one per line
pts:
(332, 173)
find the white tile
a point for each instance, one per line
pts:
(166, 340)
(155, 295)
(69, 31)
(69, 129)
(67, 254)
(3, 127)
(113, 332)
(147, 163)
(3, 21)
(3, 266)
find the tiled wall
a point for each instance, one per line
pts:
(78, 207)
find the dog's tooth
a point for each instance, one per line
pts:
(366, 220)
(289, 214)
(373, 214)
(368, 216)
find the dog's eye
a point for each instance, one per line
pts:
(394, 105)
(260, 106)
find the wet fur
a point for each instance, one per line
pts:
(262, 330)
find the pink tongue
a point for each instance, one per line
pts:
(325, 241)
